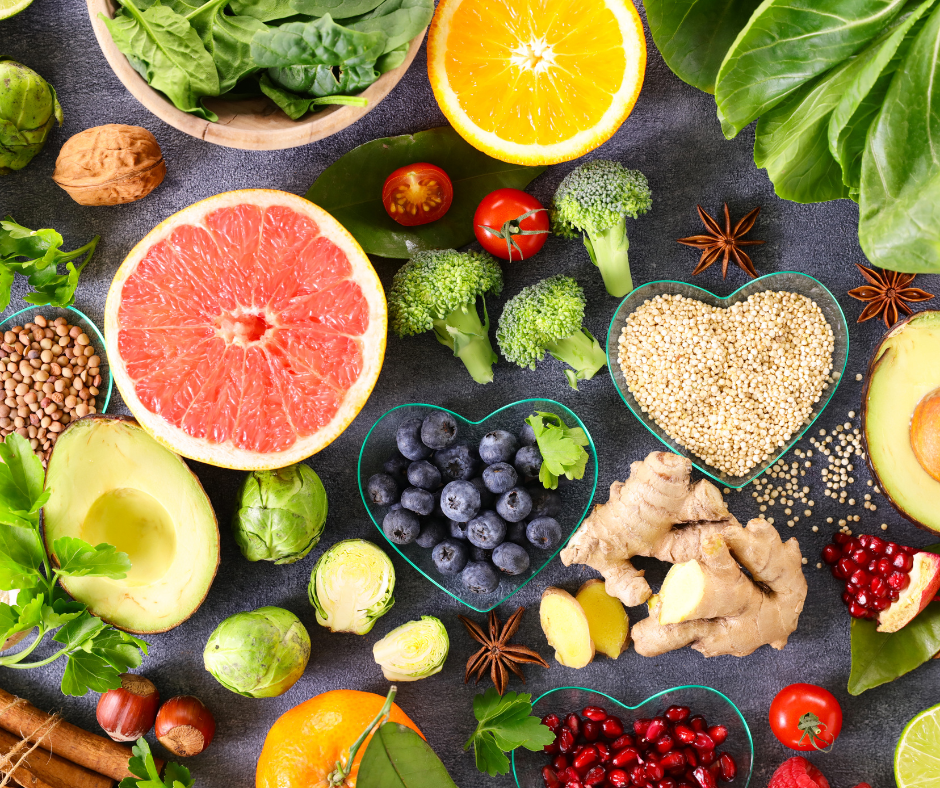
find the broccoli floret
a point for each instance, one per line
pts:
(438, 291)
(595, 199)
(548, 316)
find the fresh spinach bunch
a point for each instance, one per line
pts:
(299, 53)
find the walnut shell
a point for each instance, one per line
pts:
(110, 165)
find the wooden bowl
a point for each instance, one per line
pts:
(250, 124)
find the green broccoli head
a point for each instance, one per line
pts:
(433, 284)
(597, 195)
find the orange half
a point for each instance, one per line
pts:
(536, 81)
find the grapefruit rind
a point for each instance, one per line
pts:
(227, 455)
(536, 154)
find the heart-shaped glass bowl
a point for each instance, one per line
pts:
(791, 281)
(715, 707)
(576, 495)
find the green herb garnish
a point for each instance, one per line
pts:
(148, 776)
(505, 724)
(560, 447)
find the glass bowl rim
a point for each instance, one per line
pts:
(696, 461)
(587, 507)
(89, 321)
(731, 703)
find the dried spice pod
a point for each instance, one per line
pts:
(110, 165)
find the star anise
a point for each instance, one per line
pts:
(725, 243)
(888, 292)
(498, 654)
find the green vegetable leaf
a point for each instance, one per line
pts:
(317, 81)
(768, 60)
(399, 20)
(227, 39)
(899, 225)
(560, 447)
(397, 757)
(21, 473)
(21, 554)
(295, 107)
(264, 10)
(338, 9)
(504, 725)
(351, 190)
(144, 767)
(79, 631)
(693, 36)
(77, 558)
(321, 42)
(392, 59)
(97, 655)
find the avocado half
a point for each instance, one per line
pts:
(904, 372)
(111, 482)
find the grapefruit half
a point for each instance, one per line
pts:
(247, 330)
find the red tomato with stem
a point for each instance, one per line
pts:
(511, 224)
(806, 717)
(417, 194)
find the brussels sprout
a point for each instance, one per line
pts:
(28, 111)
(280, 514)
(413, 651)
(258, 654)
(351, 586)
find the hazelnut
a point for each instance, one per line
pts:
(110, 165)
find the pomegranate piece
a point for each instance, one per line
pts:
(595, 776)
(684, 734)
(550, 777)
(707, 757)
(654, 771)
(612, 728)
(797, 772)
(691, 757)
(677, 713)
(565, 740)
(666, 782)
(560, 763)
(664, 744)
(703, 742)
(570, 775)
(640, 726)
(729, 768)
(638, 774)
(626, 756)
(673, 761)
(698, 723)
(573, 723)
(574, 784)
(618, 778)
(595, 713)
(718, 733)
(591, 730)
(704, 778)
(586, 758)
(552, 721)
(603, 752)
(655, 729)
(622, 741)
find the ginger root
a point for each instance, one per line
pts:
(566, 628)
(707, 600)
(607, 620)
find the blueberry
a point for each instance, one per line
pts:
(395, 506)
(455, 462)
(515, 533)
(545, 503)
(409, 442)
(544, 532)
(511, 558)
(382, 489)
(486, 530)
(458, 530)
(500, 477)
(396, 466)
(449, 557)
(417, 500)
(433, 532)
(461, 501)
(527, 435)
(528, 461)
(438, 430)
(479, 554)
(479, 577)
(514, 505)
(424, 475)
(498, 446)
(401, 526)
(486, 497)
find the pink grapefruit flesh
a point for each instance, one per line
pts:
(247, 330)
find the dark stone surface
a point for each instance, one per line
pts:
(674, 137)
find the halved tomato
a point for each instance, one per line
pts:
(417, 194)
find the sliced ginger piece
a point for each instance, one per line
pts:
(682, 592)
(607, 619)
(566, 627)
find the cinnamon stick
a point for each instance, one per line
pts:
(41, 769)
(70, 742)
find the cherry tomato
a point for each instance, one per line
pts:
(417, 194)
(805, 717)
(511, 224)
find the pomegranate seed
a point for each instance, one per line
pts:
(565, 740)
(591, 730)
(595, 776)
(552, 748)
(704, 778)
(891, 549)
(612, 728)
(863, 598)
(859, 556)
(883, 567)
(573, 723)
(859, 578)
(831, 554)
(894, 595)
(844, 568)
(595, 713)
(560, 763)
(691, 757)
(909, 550)
(899, 581)
(574, 784)
(879, 604)
(840, 538)
(577, 751)
(550, 778)
(707, 757)
(666, 782)
(603, 752)
(586, 758)
(718, 733)
(552, 721)
(626, 756)
(570, 774)
(638, 774)
(878, 587)
(664, 744)
(904, 562)
(857, 611)
(655, 729)
(622, 741)
(729, 768)
(684, 734)
(847, 597)
(654, 772)
(703, 742)
(876, 545)
(685, 784)
(617, 778)
(677, 713)
(640, 726)
(698, 723)
(673, 761)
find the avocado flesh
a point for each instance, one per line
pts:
(111, 482)
(906, 368)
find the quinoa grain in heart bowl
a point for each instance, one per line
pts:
(732, 385)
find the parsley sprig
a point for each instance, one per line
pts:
(148, 776)
(504, 725)
(96, 652)
(560, 447)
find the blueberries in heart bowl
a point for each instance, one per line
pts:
(478, 507)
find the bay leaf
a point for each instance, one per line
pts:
(397, 757)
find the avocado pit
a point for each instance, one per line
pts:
(925, 433)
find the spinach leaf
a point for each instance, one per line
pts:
(338, 9)
(693, 36)
(401, 22)
(351, 190)
(392, 59)
(397, 757)
(322, 42)
(862, 100)
(295, 107)
(785, 44)
(263, 10)
(314, 81)
(167, 48)
(227, 39)
(899, 225)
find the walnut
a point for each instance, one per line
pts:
(110, 165)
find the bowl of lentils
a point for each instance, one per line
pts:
(730, 382)
(54, 370)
